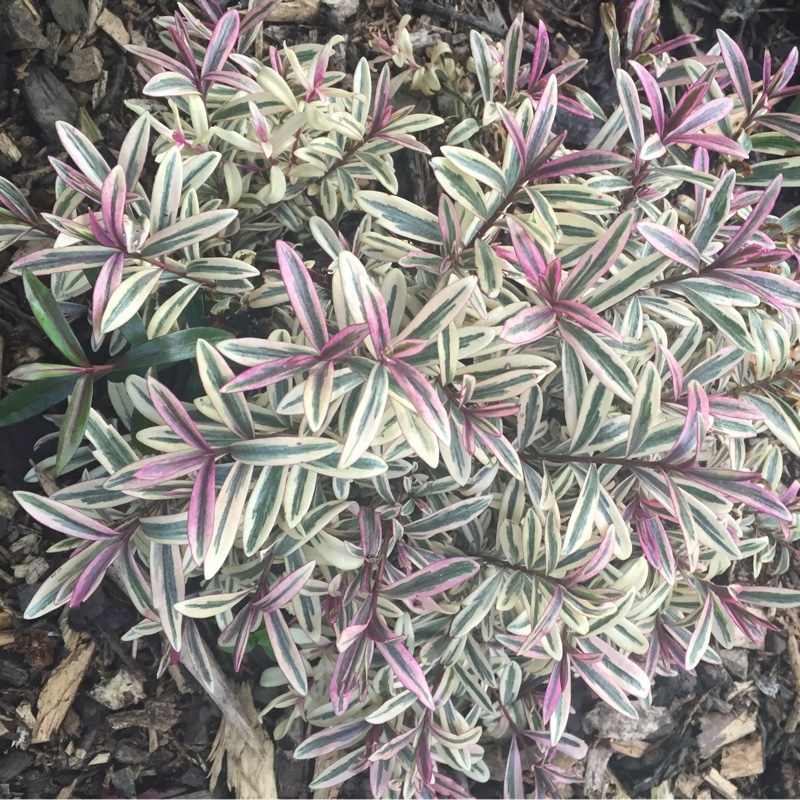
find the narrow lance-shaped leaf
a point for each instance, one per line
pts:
(449, 518)
(169, 587)
(286, 653)
(214, 374)
(60, 517)
(439, 311)
(483, 60)
(15, 202)
(406, 670)
(73, 426)
(670, 243)
(337, 737)
(631, 107)
(432, 579)
(222, 43)
(133, 152)
(94, 572)
(282, 591)
(228, 510)
(165, 198)
(512, 780)
(739, 72)
(171, 410)
(599, 259)
(423, 398)
(112, 202)
(302, 295)
(52, 320)
(188, 232)
(646, 408)
(368, 416)
(581, 521)
(701, 636)
(202, 510)
(606, 365)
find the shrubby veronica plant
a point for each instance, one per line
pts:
(482, 449)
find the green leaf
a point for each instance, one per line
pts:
(489, 267)
(439, 311)
(128, 298)
(286, 653)
(203, 606)
(761, 174)
(263, 507)
(280, 451)
(769, 596)
(594, 409)
(169, 586)
(581, 521)
(701, 636)
(477, 605)
(53, 322)
(188, 232)
(73, 426)
(298, 495)
(178, 346)
(476, 165)
(229, 508)
(646, 408)
(85, 155)
(214, 374)
(483, 61)
(368, 416)
(165, 198)
(603, 362)
(29, 401)
(728, 320)
(449, 518)
(401, 216)
(463, 188)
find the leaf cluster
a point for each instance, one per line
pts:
(483, 449)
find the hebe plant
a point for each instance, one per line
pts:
(486, 448)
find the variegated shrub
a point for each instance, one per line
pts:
(484, 449)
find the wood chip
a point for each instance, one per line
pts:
(717, 730)
(113, 26)
(250, 770)
(83, 65)
(21, 27)
(69, 14)
(122, 689)
(633, 749)
(67, 791)
(743, 759)
(609, 724)
(594, 776)
(721, 785)
(294, 11)
(793, 652)
(100, 758)
(157, 715)
(9, 149)
(24, 713)
(686, 785)
(48, 101)
(62, 687)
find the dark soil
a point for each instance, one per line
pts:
(159, 746)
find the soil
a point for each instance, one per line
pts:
(156, 740)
